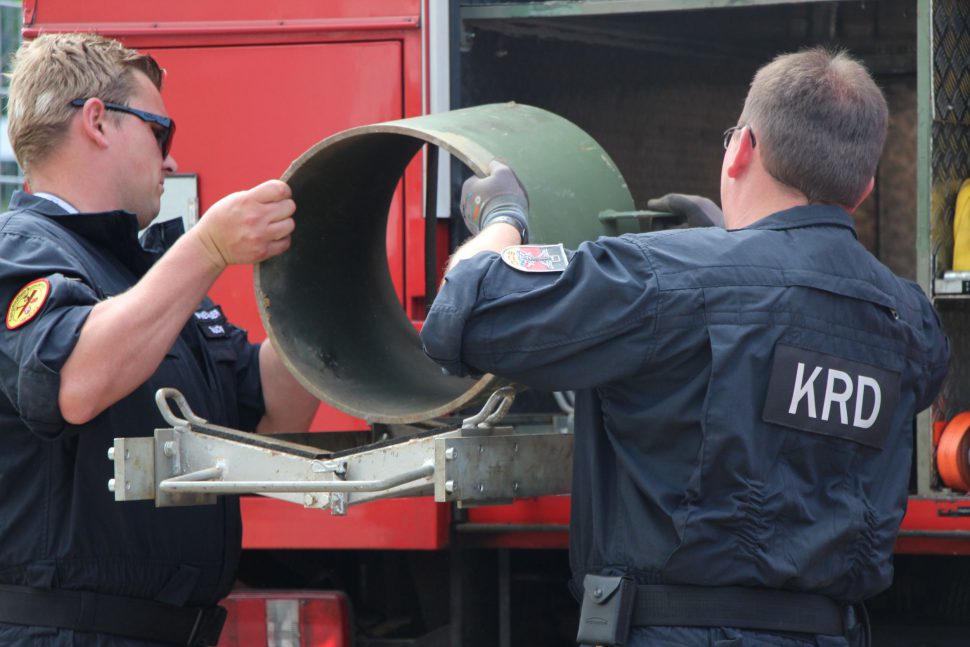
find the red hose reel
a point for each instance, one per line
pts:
(953, 453)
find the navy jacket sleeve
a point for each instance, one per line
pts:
(589, 325)
(33, 353)
(937, 353)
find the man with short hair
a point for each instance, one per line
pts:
(746, 395)
(97, 322)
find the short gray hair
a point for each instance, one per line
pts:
(820, 121)
(54, 69)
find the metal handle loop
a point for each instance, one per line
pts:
(495, 408)
(162, 397)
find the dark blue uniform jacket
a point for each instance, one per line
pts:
(746, 404)
(59, 525)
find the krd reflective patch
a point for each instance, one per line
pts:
(830, 395)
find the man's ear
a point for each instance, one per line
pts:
(865, 194)
(743, 153)
(93, 117)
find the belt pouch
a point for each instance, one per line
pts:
(607, 610)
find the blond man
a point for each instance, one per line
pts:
(95, 323)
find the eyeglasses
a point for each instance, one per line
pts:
(729, 134)
(163, 135)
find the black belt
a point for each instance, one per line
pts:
(736, 606)
(111, 614)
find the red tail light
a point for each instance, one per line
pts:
(287, 619)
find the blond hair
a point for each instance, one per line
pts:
(54, 69)
(821, 122)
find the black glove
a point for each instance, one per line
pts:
(498, 197)
(700, 212)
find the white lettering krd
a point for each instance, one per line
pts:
(806, 389)
(873, 385)
(839, 389)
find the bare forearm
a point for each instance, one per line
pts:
(493, 238)
(126, 337)
(289, 407)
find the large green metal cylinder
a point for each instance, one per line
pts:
(328, 303)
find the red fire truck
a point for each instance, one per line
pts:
(253, 84)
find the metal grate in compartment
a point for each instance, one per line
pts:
(951, 121)
(951, 56)
(956, 390)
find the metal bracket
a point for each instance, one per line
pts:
(192, 462)
(134, 460)
(495, 408)
(635, 222)
(502, 467)
(338, 504)
(332, 467)
(170, 467)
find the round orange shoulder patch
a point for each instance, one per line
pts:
(27, 303)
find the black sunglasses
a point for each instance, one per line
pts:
(163, 136)
(729, 134)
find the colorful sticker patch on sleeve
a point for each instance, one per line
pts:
(27, 303)
(536, 258)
